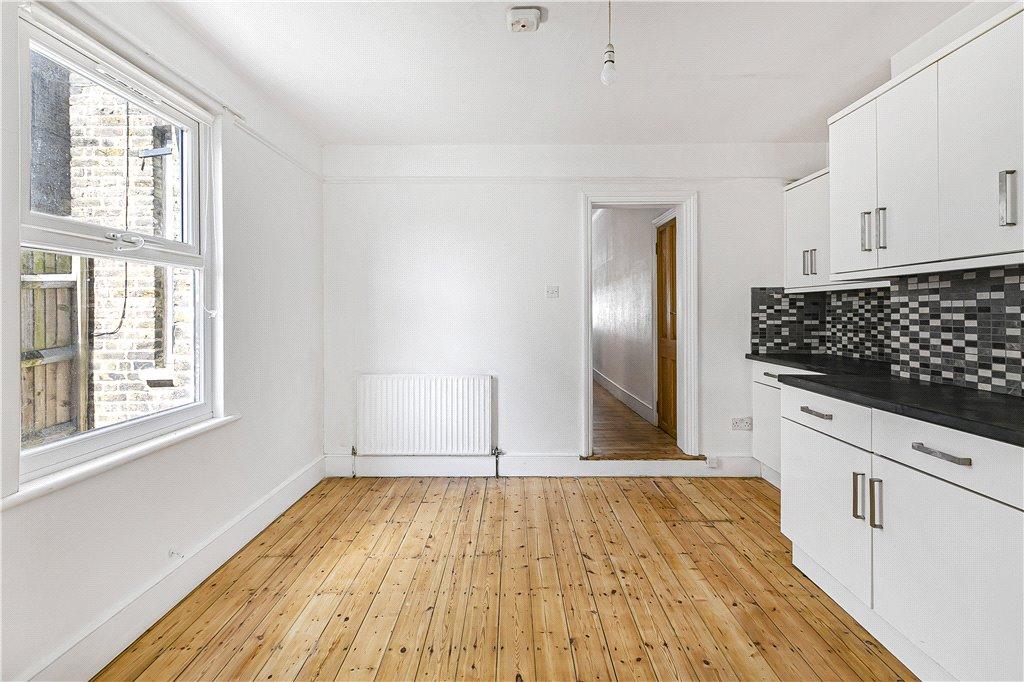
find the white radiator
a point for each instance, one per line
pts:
(423, 414)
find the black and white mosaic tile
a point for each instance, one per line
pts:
(785, 323)
(961, 328)
(857, 324)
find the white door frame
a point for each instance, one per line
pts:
(687, 283)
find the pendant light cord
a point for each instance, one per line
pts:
(609, 21)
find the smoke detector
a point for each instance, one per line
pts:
(523, 19)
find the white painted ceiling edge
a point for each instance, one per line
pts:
(451, 73)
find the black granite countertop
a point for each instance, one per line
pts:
(826, 364)
(982, 413)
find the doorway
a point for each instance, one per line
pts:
(638, 392)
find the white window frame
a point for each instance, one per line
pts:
(40, 231)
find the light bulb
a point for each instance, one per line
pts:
(608, 72)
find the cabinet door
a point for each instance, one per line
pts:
(807, 233)
(947, 573)
(852, 190)
(981, 134)
(907, 217)
(767, 425)
(818, 512)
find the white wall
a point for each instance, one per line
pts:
(967, 19)
(73, 558)
(448, 273)
(623, 308)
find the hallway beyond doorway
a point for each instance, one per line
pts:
(620, 433)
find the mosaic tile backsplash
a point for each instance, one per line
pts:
(961, 328)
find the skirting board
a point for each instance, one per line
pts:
(568, 464)
(338, 465)
(899, 646)
(101, 642)
(423, 465)
(771, 475)
(628, 399)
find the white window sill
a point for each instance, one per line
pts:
(66, 477)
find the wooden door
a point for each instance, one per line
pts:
(665, 251)
(907, 217)
(981, 135)
(947, 573)
(852, 191)
(823, 499)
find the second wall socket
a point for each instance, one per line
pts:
(743, 424)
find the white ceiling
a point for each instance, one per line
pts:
(450, 73)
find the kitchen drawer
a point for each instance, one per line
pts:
(836, 418)
(995, 469)
(766, 373)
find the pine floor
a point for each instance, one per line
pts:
(620, 433)
(513, 579)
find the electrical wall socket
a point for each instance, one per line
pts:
(743, 424)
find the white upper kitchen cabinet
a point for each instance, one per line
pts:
(853, 191)
(807, 206)
(948, 572)
(906, 221)
(981, 143)
(926, 171)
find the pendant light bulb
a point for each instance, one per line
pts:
(608, 73)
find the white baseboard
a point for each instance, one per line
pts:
(628, 399)
(569, 464)
(101, 641)
(920, 663)
(423, 465)
(771, 475)
(339, 465)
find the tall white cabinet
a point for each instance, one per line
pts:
(926, 172)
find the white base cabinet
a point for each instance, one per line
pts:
(823, 483)
(767, 422)
(928, 555)
(948, 572)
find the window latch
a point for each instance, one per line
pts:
(129, 242)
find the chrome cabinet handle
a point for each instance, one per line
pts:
(865, 231)
(857, 478)
(770, 375)
(875, 502)
(814, 261)
(962, 461)
(814, 413)
(803, 256)
(881, 228)
(1007, 198)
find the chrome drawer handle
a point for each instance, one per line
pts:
(814, 413)
(962, 461)
(875, 502)
(770, 375)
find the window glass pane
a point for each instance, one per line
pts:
(103, 341)
(99, 158)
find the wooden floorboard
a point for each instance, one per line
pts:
(621, 433)
(513, 579)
